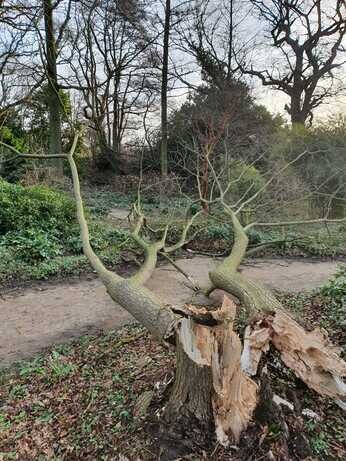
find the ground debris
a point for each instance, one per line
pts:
(81, 405)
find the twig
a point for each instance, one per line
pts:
(211, 255)
(258, 247)
(194, 286)
(295, 223)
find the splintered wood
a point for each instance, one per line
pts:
(208, 339)
(256, 342)
(219, 347)
(309, 354)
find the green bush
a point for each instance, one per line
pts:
(30, 245)
(34, 207)
(40, 237)
(335, 293)
(101, 237)
(255, 237)
(12, 168)
(219, 231)
(336, 287)
(246, 179)
(35, 222)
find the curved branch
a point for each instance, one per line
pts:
(140, 302)
(149, 310)
(232, 262)
(38, 156)
(150, 250)
(94, 260)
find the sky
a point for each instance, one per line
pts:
(249, 29)
(275, 101)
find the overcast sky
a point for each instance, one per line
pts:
(275, 102)
(250, 29)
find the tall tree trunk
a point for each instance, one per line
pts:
(298, 117)
(115, 132)
(53, 100)
(164, 86)
(230, 40)
(205, 180)
(117, 124)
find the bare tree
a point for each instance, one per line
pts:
(308, 37)
(164, 88)
(18, 80)
(214, 387)
(210, 35)
(112, 63)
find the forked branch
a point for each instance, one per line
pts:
(150, 311)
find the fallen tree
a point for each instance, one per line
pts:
(216, 389)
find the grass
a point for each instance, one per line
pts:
(325, 307)
(106, 240)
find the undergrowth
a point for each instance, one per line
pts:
(39, 235)
(325, 307)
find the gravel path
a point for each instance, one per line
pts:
(37, 317)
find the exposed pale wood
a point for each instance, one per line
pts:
(256, 342)
(219, 347)
(311, 356)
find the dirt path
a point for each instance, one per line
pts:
(36, 318)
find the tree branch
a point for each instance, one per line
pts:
(295, 223)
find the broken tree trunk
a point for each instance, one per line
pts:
(187, 418)
(211, 389)
(210, 385)
(310, 355)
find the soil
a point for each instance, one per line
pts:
(35, 318)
